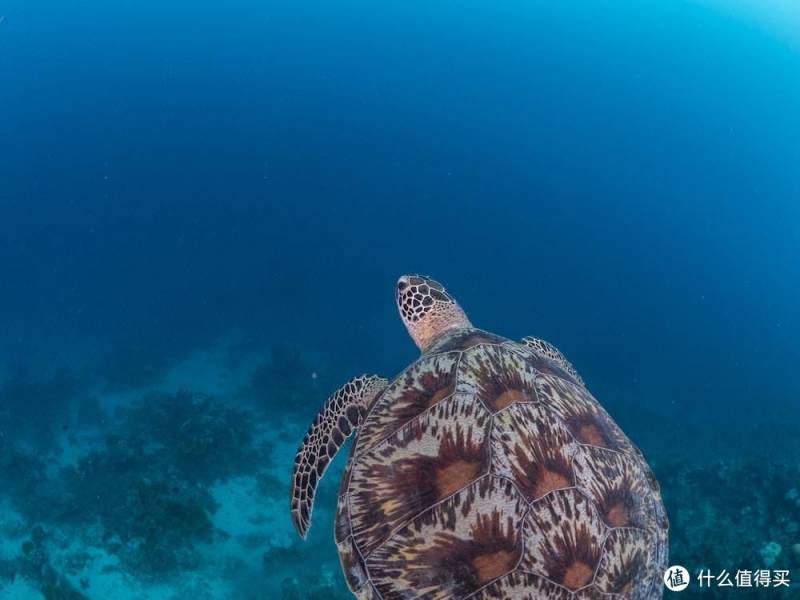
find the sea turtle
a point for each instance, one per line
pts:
(485, 469)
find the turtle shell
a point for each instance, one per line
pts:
(487, 471)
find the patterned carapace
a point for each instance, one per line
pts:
(487, 470)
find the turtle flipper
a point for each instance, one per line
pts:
(343, 412)
(547, 350)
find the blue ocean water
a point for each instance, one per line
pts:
(204, 209)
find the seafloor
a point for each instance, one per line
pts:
(168, 479)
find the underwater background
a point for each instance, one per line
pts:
(204, 208)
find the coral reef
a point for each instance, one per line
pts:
(770, 552)
(148, 483)
(34, 411)
(34, 564)
(22, 473)
(204, 439)
(733, 514)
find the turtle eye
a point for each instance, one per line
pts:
(401, 286)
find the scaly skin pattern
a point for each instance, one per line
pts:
(487, 470)
(342, 413)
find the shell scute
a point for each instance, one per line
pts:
(581, 414)
(624, 565)
(542, 364)
(564, 539)
(427, 460)
(592, 593)
(368, 592)
(523, 586)
(465, 339)
(533, 449)
(420, 387)
(355, 572)
(618, 486)
(456, 547)
(496, 377)
(341, 528)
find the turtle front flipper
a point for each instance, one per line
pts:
(343, 412)
(547, 350)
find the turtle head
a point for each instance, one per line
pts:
(427, 309)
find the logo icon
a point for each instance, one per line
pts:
(676, 578)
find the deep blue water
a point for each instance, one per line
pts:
(622, 179)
